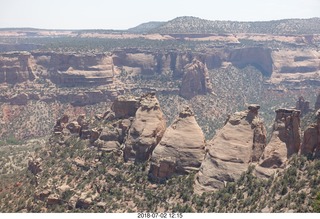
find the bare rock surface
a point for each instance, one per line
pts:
(181, 149)
(285, 140)
(311, 138)
(238, 144)
(125, 106)
(317, 104)
(34, 166)
(303, 106)
(195, 80)
(146, 130)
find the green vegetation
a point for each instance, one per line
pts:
(84, 179)
(196, 25)
(11, 140)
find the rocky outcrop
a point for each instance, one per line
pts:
(146, 130)
(295, 63)
(303, 106)
(16, 68)
(125, 106)
(181, 148)
(84, 203)
(68, 69)
(137, 61)
(317, 104)
(311, 138)
(54, 199)
(61, 124)
(74, 127)
(34, 166)
(195, 80)
(238, 144)
(285, 140)
(42, 194)
(257, 56)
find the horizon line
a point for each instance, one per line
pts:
(122, 30)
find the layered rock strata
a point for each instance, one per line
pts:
(195, 80)
(146, 130)
(238, 144)
(285, 140)
(311, 138)
(181, 148)
(303, 106)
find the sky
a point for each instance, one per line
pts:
(123, 14)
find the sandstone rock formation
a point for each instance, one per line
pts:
(303, 106)
(125, 106)
(181, 148)
(295, 64)
(61, 123)
(69, 69)
(146, 130)
(311, 138)
(34, 166)
(238, 144)
(195, 80)
(54, 199)
(257, 56)
(74, 127)
(317, 104)
(15, 68)
(285, 140)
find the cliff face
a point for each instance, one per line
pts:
(146, 130)
(240, 142)
(317, 104)
(61, 68)
(77, 69)
(285, 140)
(311, 138)
(68, 69)
(295, 64)
(15, 68)
(257, 56)
(195, 80)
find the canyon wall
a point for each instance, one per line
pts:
(69, 69)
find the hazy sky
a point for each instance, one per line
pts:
(123, 14)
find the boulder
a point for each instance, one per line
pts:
(84, 203)
(60, 123)
(85, 134)
(54, 199)
(146, 130)
(81, 120)
(109, 135)
(42, 194)
(34, 165)
(74, 127)
(107, 146)
(181, 148)
(237, 145)
(94, 134)
(285, 140)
